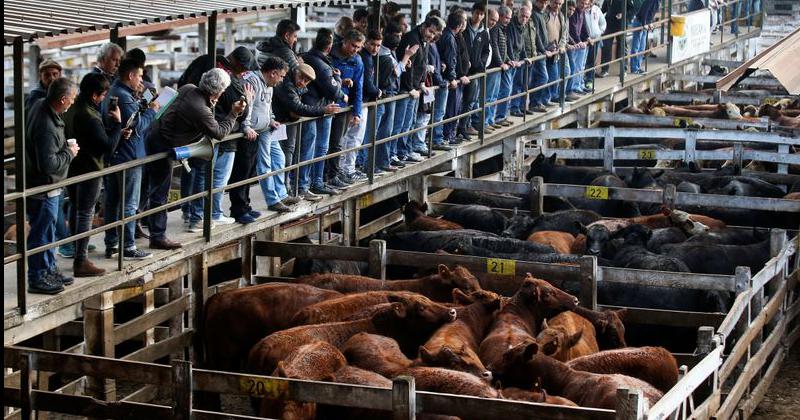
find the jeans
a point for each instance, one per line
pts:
(540, 97)
(223, 165)
(419, 140)
(506, 84)
(308, 142)
(385, 121)
(469, 101)
(353, 137)
(554, 74)
(84, 197)
(439, 108)
(492, 89)
(404, 117)
(157, 192)
(451, 110)
(195, 183)
(518, 86)
(42, 215)
(133, 183)
(244, 167)
(322, 135)
(741, 10)
(577, 61)
(638, 44)
(270, 159)
(62, 231)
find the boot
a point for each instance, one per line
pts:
(85, 268)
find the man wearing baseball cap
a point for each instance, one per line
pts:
(49, 70)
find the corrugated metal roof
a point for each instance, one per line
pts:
(31, 19)
(780, 60)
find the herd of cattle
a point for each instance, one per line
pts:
(443, 329)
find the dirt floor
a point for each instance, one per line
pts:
(783, 398)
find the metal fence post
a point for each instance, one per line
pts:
(623, 43)
(373, 137)
(404, 403)
(482, 123)
(121, 236)
(19, 173)
(207, 204)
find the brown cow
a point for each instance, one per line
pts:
(352, 307)
(608, 325)
(522, 366)
(518, 394)
(237, 319)
(398, 320)
(416, 219)
(560, 241)
(438, 286)
(567, 336)
(654, 365)
(455, 345)
(518, 318)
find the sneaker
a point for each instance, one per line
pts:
(589, 87)
(397, 164)
(195, 227)
(443, 147)
(280, 207)
(572, 97)
(358, 176)
(45, 285)
(539, 108)
(291, 200)
(91, 247)
(505, 123)
(110, 252)
(603, 74)
(255, 213)
(312, 196)
(470, 132)
(66, 250)
(136, 254)
(224, 220)
(337, 183)
(421, 151)
(344, 180)
(413, 158)
(640, 71)
(488, 129)
(164, 243)
(85, 268)
(324, 190)
(517, 114)
(61, 278)
(245, 219)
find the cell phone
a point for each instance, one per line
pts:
(113, 102)
(148, 95)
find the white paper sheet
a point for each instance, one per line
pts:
(278, 134)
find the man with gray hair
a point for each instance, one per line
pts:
(108, 59)
(188, 119)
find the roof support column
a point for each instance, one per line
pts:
(119, 40)
(230, 42)
(211, 35)
(19, 167)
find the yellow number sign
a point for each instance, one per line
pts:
(647, 154)
(365, 200)
(173, 196)
(263, 388)
(596, 193)
(770, 101)
(682, 121)
(501, 266)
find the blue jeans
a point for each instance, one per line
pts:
(62, 231)
(541, 97)
(223, 166)
(506, 84)
(439, 107)
(133, 183)
(577, 62)
(322, 137)
(454, 99)
(195, 182)
(419, 140)
(270, 158)
(404, 117)
(741, 10)
(554, 74)
(307, 145)
(492, 88)
(385, 120)
(638, 44)
(518, 104)
(42, 216)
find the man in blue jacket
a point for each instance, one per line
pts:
(347, 130)
(369, 56)
(325, 89)
(124, 88)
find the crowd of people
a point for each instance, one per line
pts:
(433, 69)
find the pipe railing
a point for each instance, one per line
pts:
(23, 193)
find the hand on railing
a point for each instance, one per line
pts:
(414, 93)
(250, 134)
(355, 121)
(347, 83)
(454, 83)
(331, 109)
(464, 80)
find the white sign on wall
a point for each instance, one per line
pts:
(696, 38)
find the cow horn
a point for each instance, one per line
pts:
(544, 324)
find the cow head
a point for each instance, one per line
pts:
(544, 295)
(643, 178)
(513, 362)
(684, 221)
(554, 341)
(462, 359)
(732, 112)
(413, 209)
(459, 278)
(519, 226)
(635, 235)
(611, 329)
(597, 236)
(541, 165)
(489, 299)
(424, 309)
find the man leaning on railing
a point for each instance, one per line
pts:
(185, 121)
(47, 159)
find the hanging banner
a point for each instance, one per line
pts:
(696, 38)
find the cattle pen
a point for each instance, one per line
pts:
(129, 344)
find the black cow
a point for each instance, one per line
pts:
(741, 185)
(477, 217)
(731, 236)
(599, 240)
(500, 201)
(560, 174)
(633, 252)
(608, 208)
(711, 258)
(663, 236)
(520, 226)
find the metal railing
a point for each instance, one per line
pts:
(22, 193)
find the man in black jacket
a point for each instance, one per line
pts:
(370, 90)
(541, 98)
(49, 70)
(493, 79)
(476, 39)
(449, 54)
(325, 89)
(411, 82)
(613, 10)
(47, 159)
(281, 45)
